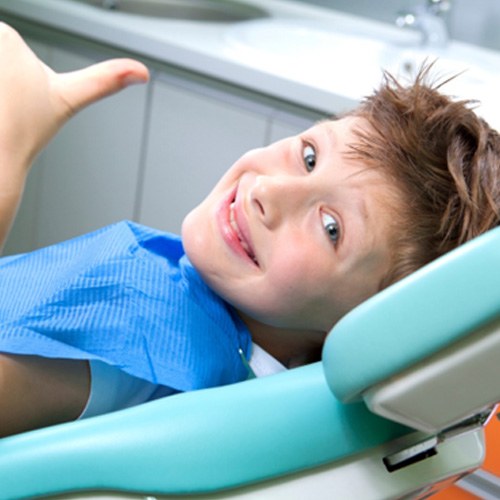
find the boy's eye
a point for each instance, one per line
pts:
(331, 227)
(309, 156)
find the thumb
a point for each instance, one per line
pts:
(80, 88)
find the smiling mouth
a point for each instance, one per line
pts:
(243, 242)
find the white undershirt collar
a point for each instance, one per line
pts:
(262, 363)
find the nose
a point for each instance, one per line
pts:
(275, 198)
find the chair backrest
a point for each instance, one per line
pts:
(196, 442)
(426, 351)
(248, 433)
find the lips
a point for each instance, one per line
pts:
(234, 228)
(244, 241)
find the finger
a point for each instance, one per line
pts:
(83, 87)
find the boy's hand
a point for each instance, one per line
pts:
(35, 101)
(34, 104)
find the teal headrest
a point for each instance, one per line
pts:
(414, 318)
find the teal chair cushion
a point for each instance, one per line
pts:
(415, 318)
(196, 442)
(215, 439)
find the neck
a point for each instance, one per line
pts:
(290, 347)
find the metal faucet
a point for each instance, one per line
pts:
(428, 18)
(110, 4)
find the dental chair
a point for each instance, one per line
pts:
(395, 409)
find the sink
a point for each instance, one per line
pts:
(446, 64)
(313, 38)
(224, 11)
(320, 49)
(324, 56)
(351, 57)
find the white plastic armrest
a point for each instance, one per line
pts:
(449, 387)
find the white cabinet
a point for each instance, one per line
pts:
(195, 133)
(286, 123)
(194, 136)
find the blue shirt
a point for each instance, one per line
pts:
(126, 295)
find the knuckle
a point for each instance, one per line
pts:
(7, 31)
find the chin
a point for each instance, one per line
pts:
(191, 239)
(184, 225)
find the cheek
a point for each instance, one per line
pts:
(297, 287)
(192, 239)
(290, 277)
(312, 287)
(198, 240)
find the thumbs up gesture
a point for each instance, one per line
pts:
(35, 102)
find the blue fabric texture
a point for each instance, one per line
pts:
(126, 295)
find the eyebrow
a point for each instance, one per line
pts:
(332, 140)
(361, 206)
(331, 135)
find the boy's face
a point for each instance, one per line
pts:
(296, 234)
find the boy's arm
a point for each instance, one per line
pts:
(35, 102)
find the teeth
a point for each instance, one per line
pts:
(234, 225)
(232, 221)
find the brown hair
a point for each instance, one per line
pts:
(445, 161)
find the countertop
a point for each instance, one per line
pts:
(331, 76)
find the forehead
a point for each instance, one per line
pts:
(369, 198)
(340, 133)
(336, 141)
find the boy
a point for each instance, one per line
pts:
(291, 238)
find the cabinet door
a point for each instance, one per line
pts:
(194, 137)
(286, 124)
(91, 169)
